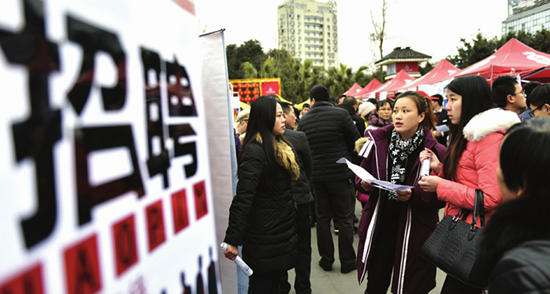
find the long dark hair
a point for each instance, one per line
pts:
(261, 121)
(476, 98)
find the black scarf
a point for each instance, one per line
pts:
(400, 150)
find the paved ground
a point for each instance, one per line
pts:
(335, 282)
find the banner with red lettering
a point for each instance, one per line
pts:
(104, 170)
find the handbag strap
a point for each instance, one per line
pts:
(478, 211)
(479, 208)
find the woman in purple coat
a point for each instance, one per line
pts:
(393, 225)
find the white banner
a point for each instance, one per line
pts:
(221, 141)
(104, 170)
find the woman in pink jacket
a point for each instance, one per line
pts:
(477, 131)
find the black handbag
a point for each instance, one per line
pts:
(455, 244)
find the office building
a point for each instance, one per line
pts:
(527, 15)
(308, 30)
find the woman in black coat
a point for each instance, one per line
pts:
(515, 249)
(262, 214)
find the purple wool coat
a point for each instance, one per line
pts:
(416, 219)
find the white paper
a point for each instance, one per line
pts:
(367, 177)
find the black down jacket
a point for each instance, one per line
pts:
(331, 135)
(262, 213)
(524, 269)
(515, 248)
(301, 189)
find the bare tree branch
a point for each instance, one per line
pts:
(379, 33)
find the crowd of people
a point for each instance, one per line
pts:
(493, 139)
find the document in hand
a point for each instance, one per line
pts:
(367, 177)
(442, 128)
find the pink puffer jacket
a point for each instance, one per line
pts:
(478, 164)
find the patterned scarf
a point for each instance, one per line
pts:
(400, 150)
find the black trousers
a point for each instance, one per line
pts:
(302, 283)
(265, 283)
(334, 200)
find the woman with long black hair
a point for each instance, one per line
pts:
(477, 130)
(262, 213)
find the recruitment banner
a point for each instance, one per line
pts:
(104, 170)
(250, 89)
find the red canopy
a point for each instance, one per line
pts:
(513, 57)
(355, 88)
(444, 70)
(394, 85)
(373, 93)
(372, 85)
(541, 75)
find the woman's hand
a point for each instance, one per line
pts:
(429, 183)
(231, 252)
(434, 161)
(404, 195)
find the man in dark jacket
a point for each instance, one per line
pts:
(301, 192)
(331, 135)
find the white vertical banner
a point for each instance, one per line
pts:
(104, 171)
(221, 141)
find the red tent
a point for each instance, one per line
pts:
(444, 70)
(541, 75)
(394, 85)
(372, 94)
(513, 57)
(372, 85)
(355, 88)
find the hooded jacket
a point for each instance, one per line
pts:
(478, 164)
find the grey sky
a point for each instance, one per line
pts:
(433, 27)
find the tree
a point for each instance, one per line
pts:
(426, 68)
(481, 47)
(474, 51)
(310, 76)
(233, 63)
(268, 69)
(250, 51)
(339, 79)
(288, 70)
(540, 41)
(248, 70)
(379, 34)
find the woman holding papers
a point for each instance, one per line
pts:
(395, 224)
(262, 213)
(477, 131)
